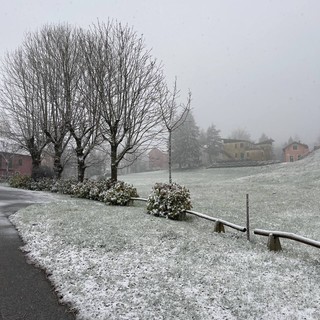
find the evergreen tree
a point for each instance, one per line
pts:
(263, 138)
(203, 138)
(213, 143)
(185, 144)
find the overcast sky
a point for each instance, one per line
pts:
(250, 64)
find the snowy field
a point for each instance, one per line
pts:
(120, 263)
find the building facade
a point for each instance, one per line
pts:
(295, 151)
(12, 163)
(237, 150)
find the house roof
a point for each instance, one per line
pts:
(234, 141)
(296, 142)
(269, 141)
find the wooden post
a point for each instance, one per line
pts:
(218, 227)
(274, 243)
(248, 218)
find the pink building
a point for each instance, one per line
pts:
(295, 151)
(11, 163)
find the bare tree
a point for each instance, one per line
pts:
(55, 57)
(173, 115)
(20, 108)
(240, 134)
(85, 124)
(127, 81)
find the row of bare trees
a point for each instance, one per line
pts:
(69, 86)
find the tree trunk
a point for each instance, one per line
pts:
(57, 166)
(169, 155)
(36, 163)
(114, 163)
(81, 168)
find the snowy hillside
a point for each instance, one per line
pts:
(120, 263)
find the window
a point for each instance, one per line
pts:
(291, 158)
(241, 145)
(295, 147)
(299, 157)
(0, 162)
(248, 155)
(236, 155)
(20, 162)
(235, 146)
(10, 164)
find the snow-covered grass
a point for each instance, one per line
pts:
(120, 263)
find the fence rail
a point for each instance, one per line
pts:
(273, 236)
(219, 223)
(274, 242)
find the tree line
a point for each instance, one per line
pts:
(66, 86)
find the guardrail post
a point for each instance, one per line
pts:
(274, 243)
(218, 227)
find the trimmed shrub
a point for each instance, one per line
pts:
(119, 194)
(44, 184)
(90, 189)
(106, 190)
(63, 186)
(169, 201)
(20, 181)
(82, 189)
(42, 172)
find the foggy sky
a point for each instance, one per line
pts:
(253, 64)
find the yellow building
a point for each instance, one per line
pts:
(237, 150)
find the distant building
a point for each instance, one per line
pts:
(158, 159)
(295, 151)
(11, 163)
(237, 150)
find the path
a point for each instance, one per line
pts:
(25, 292)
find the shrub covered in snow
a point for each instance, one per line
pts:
(106, 190)
(63, 186)
(43, 184)
(169, 200)
(82, 189)
(91, 189)
(119, 194)
(20, 181)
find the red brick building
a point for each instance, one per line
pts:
(157, 159)
(11, 163)
(295, 151)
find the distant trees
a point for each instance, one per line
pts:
(70, 87)
(240, 134)
(173, 115)
(213, 143)
(185, 144)
(263, 138)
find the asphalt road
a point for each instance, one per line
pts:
(25, 292)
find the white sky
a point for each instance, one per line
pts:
(250, 64)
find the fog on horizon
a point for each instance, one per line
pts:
(249, 64)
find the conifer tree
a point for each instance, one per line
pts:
(185, 144)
